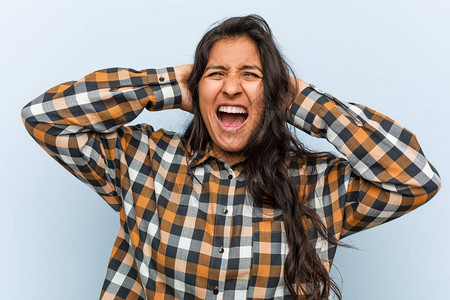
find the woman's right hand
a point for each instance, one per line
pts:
(182, 74)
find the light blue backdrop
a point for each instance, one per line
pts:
(392, 56)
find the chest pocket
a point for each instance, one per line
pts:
(269, 253)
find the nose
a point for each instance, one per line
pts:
(232, 85)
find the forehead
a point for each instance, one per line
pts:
(234, 52)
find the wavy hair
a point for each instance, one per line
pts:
(267, 175)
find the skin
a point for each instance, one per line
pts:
(232, 78)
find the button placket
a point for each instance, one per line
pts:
(222, 219)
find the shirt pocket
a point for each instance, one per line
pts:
(269, 253)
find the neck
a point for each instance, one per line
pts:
(230, 157)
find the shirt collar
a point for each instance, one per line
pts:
(204, 155)
(199, 157)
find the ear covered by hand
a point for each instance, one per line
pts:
(298, 85)
(182, 74)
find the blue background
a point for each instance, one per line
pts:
(392, 56)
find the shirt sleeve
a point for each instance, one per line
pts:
(79, 123)
(386, 173)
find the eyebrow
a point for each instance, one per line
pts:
(220, 67)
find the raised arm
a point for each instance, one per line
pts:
(386, 173)
(79, 123)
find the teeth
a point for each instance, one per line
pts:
(232, 109)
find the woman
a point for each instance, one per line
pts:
(235, 207)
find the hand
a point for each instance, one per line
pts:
(182, 74)
(299, 84)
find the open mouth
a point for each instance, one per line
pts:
(231, 117)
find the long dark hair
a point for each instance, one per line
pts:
(266, 171)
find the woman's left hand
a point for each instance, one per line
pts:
(298, 84)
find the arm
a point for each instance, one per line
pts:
(387, 174)
(79, 123)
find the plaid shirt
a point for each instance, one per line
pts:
(188, 239)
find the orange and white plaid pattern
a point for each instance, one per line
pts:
(202, 237)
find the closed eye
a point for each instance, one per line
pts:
(251, 74)
(215, 74)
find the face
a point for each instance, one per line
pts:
(231, 96)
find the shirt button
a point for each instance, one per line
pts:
(225, 211)
(161, 79)
(216, 290)
(221, 250)
(230, 176)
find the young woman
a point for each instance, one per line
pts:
(235, 207)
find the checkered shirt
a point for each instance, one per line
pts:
(185, 238)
